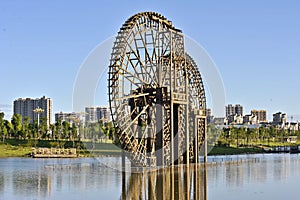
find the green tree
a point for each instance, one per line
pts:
(251, 134)
(58, 129)
(9, 128)
(73, 132)
(1, 120)
(263, 134)
(44, 132)
(66, 130)
(242, 133)
(25, 132)
(2, 126)
(17, 125)
(234, 135)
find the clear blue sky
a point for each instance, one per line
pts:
(255, 44)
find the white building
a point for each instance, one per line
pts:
(250, 119)
(235, 119)
(69, 117)
(95, 114)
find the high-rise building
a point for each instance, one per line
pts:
(260, 114)
(69, 117)
(26, 107)
(209, 117)
(279, 118)
(229, 109)
(208, 112)
(250, 119)
(232, 110)
(238, 109)
(95, 114)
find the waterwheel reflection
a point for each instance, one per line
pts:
(177, 182)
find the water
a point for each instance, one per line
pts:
(247, 177)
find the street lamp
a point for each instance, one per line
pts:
(38, 110)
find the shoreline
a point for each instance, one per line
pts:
(8, 151)
(23, 148)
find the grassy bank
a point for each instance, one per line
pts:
(7, 150)
(223, 150)
(21, 148)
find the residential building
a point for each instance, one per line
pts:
(250, 119)
(218, 121)
(209, 117)
(260, 114)
(208, 112)
(95, 114)
(279, 118)
(229, 110)
(235, 119)
(26, 107)
(69, 117)
(238, 109)
(233, 109)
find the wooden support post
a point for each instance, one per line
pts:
(123, 161)
(176, 136)
(196, 148)
(123, 176)
(160, 187)
(205, 142)
(159, 128)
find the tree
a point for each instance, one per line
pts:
(234, 134)
(66, 130)
(58, 129)
(2, 126)
(44, 128)
(73, 131)
(17, 125)
(242, 133)
(8, 127)
(263, 133)
(25, 132)
(250, 134)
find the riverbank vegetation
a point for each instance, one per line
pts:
(7, 150)
(257, 137)
(99, 138)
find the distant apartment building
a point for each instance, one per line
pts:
(279, 118)
(208, 112)
(26, 107)
(260, 114)
(218, 121)
(235, 119)
(209, 117)
(250, 119)
(233, 110)
(69, 117)
(229, 110)
(238, 109)
(95, 114)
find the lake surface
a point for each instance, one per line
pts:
(247, 177)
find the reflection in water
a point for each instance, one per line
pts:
(244, 177)
(57, 179)
(178, 182)
(1, 182)
(31, 184)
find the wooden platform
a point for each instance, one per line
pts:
(53, 153)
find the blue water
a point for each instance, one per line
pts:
(247, 177)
